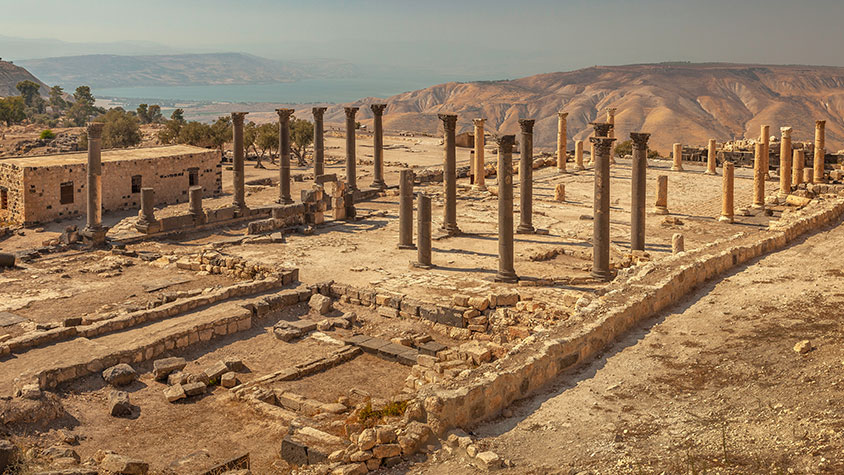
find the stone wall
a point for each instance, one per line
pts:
(637, 294)
(167, 174)
(11, 181)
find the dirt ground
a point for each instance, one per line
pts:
(712, 385)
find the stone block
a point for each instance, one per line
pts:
(386, 450)
(194, 389)
(121, 465)
(163, 367)
(294, 451)
(120, 375)
(119, 405)
(174, 393)
(228, 380)
(320, 304)
(215, 372)
(431, 348)
(373, 345)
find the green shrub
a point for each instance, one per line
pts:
(47, 134)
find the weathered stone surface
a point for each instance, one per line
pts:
(350, 469)
(803, 347)
(233, 364)
(215, 372)
(177, 378)
(228, 380)
(118, 402)
(194, 389)
(120, 375)
(386, 450)
(320, 304)
(163, 367)
(174, 393)
(367, 439)
(8, 454)
(121, 465)
(488, 460)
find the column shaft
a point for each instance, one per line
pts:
(195, 200)
(351, 157)
(378, 147)
(95, 177)
(480, 164)
(601, 209)
(423, 231)
(284, 156)
(238, 176)
(147, 213)
(727, 193)
(678, 158)
(639, 189)
(578, 155)
(406, 209)
(562, 140)
(319, 141)
(798, 162)
(766, 148)
(785, 161)
(759, 176)
(450, 174)
(506, 270)
(526, 178)
(661, 205)
(710, 158)
(820, 151)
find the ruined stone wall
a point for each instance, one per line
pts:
(11, 181)
(168, 175)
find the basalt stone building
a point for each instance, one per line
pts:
(51, 187)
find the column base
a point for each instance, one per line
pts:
(602, 275)
(707, 172)
(419, 265)
(580, 167)
(451, 230)
(407, 246)
(479, 187)
(676, 169)
(284, 201)
(757, 206)
(378, 185)
(95, 237)
(726, 219)
(507, 277)
(659, 210)
(525, 229)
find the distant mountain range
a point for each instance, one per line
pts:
(11, 75)
(675, 102)
(106, 70)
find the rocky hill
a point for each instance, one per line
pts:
(687, 103)
(11, 75)
(107, 70)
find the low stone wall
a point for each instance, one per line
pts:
(637, 294)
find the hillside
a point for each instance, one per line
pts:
(103, 70)
(11, 75)
(687, 103)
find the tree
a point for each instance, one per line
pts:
(178, 115)
(170, 133)
(301, 135)
(12, 110)
(221, 132)
(622, 149)
(197, 134)
(121, 129)
(143, 113)
(83, 95)
(29, 91)
(77, 114)
(267, 139)
(57, 101)
(250, 133)
(155, 116)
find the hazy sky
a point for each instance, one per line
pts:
(485, 39)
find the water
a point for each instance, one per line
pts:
(306, 91)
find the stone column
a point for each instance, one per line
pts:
(378, 147)
(798, 162)
(480, 166)
(759, 176)
(820, 150)
(351, 158)
(785, 161)
(450, 174)
(284, 156)
(319, 141)
(661, 205)
(239, 200)
(147, 214)
(601, 209)
(562, 140)
(711, 163)
(195, 197)
(678, 244)
(766, 147)
(578, 155)
(406, 209)
(423, 232)
(611, 133)
(526, 178)
(678, 158)
(506, 271)
(727, 193)
(639, 189)
(591, 152)
(95, 182)
(808, 175)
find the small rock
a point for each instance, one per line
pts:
(320, 304)
(120, 375)
(803, 347)
(234, 364)
(367, 440)
(214, 373)
(177, 377)
(228, 380)
(194, 389)
(163, 367)
(324, 325)
(118, 464)
(174, 393)
(119, 403)
(489, 460)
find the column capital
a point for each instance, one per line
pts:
(562, 115)
(611, 110)
(449, 120)
(318, 112)
(602, 144)
(95, 130)
(378, 109)
(601, 128)
(786, 132)
(351, 111)
(284, 114)
(479, 122)
(505, 142)
(640, 139)
(819, 124)
(526, 125)
(237, 117)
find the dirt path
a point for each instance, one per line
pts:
(713, 385)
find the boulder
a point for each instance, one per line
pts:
(121, 465)
(320, 304)
(174, 393)
(120, 375)
(163, 367)
(119, 403)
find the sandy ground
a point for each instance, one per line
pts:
(712, 385)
